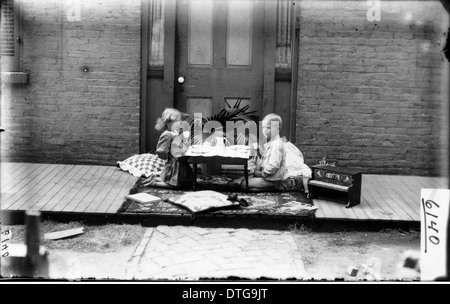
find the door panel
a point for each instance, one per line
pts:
(239, 33)
(200, 32)
(230, 102)
(220, 47)
(199, 105)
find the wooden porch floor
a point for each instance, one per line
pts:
(89, 189)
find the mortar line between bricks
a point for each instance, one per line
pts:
(300, 265)
(136, 258)
(146, 240)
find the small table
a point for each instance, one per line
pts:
(227, 155)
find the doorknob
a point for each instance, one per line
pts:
(180, 83)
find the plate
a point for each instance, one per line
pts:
(240, 147)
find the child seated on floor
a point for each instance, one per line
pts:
(270, 169)
(177, 171)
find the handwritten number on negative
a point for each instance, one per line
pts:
(428, 205)
(5, 246)
(431, 226)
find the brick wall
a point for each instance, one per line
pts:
(373, 95)
(66, 114)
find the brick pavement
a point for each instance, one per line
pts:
(192, 253)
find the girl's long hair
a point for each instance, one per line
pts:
(168, 115)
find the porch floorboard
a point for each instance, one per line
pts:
(100, 190)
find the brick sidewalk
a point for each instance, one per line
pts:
(192, 253)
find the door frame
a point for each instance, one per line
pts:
(163, 75)
(295, 27)
(166, 74)
(145, 29)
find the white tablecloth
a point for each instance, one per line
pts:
(228, 151)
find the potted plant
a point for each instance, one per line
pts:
(233, 114)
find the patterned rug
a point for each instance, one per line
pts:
(267, 203)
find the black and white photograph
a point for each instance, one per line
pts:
(224, 141)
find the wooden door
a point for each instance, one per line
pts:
(219, 54)
(225, 50)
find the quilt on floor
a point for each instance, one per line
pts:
(270, 203)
